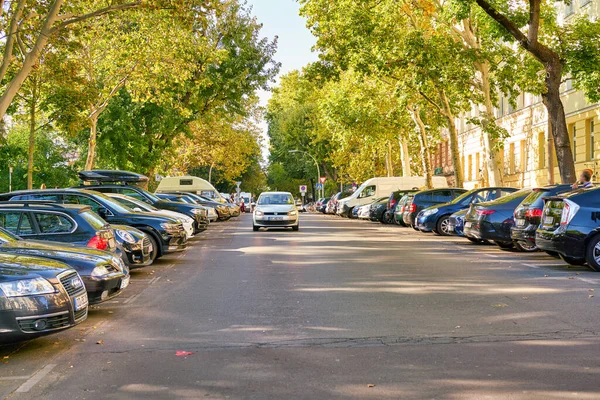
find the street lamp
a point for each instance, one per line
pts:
(316, 163)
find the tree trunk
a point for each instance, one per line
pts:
(388, 160)
(404, 155)
(89, 163)
(424, 144)
(454, 151)
(31, 149)
(492, 169)
(558, 122)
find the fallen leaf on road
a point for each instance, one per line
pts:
(100, 342)
(370, 385)
(590, 296)
(500, 305)
(571, 277)
(5, 357)
(591, 290)
(457, 327)
(525, 298)
(182, 353)
(546, 276)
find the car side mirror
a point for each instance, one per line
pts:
(137, 209)
(103, 212)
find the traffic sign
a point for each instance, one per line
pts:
(319, 186)
(303, 189)
(323, 179)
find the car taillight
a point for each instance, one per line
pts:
(485, 212)
(98, 243)
(533, 212)
(412, 208)
(402, 209)
(392, 203)
(568, 212)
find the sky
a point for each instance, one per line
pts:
(281, 18)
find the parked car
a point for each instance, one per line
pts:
(75, 224)
(436, 218)
(124, 182)
(377, 209)
(570, 227)
(104, 274)
(401, 208)
(493, 220)
(332, 204)
(528, 215)
(394, 198)
(205, 202)
(427, 198)
(38, 296)
(275, 210)
(364, 211)
(141, 206)
(222, 210)
(166, 234)
(322, 208)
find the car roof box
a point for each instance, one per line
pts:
(111, 176)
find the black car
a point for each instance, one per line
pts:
(223, 211)
(104, 274)
(435, 218)
(377, 209)
(528, 215)
(323, 207)
(123, 182)
(166, 234)
(392, 204)
(38, 296)
(570, 227)
(75, 224)
(493, 220)
(427, 198)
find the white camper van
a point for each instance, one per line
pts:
(191, 184)
(380, 187)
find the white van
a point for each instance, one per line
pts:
(381, 187)
(190, 184)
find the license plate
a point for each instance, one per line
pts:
(275, 218)
(80, 302)
(520, 222)
(124, 282)
(467, 224)
(548, 220)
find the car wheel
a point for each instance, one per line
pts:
(526, 246)
(415, 228)
(296, 228)
(504, 245)
(442, 226)
(154, 254)
(573, 260)
(592, 253)
(255, 228)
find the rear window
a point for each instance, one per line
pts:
(535, 198)
(54, 223)
(93, 219)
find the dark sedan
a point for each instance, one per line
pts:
(223, 211)
(528, 215)
(492, 220)
(425, 199)
(436, 218)
(38, 296)
(104, 274)
(571, 227)
(377, 209)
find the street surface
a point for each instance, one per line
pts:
(341, 309)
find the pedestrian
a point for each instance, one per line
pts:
(242, 205)
(585, 179)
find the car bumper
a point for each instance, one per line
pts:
(561, 243)
(523, 234)
(137, 255)
(485, 231)
(425, 224)
(19, 314)
(100, 290)
(174, 242)
(455, 228)
(409, 219)
(285, 221)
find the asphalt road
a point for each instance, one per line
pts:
(341, 309)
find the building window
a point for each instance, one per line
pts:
(592, 142)
(522, 163)
(477, 166)
(511, 158)
(569, 9)
(541, 150)
(470, 170)
(574, 138)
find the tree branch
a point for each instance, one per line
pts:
(504, 21)
(97, 13)
(534, 21)
(10, 40)
(430, 101)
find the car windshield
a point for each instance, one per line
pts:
(6, 236)
(275, 199)
(115, 205)
(150, 196)
(463, 196)
(133, 203)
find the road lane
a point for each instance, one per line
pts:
(324, 312)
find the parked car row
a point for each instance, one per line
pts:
(62, 250)
(562, 221)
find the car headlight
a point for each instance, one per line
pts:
(430, 212)
(198, 211)
(125, 236)
(99, 271)
(291, 213)
(259, 213)
(170, 227)
(27, 287)
(118, 262)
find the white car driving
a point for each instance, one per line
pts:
(275, 210)
(137, 205)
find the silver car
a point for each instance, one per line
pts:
(275, 210)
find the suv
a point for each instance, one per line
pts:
(166, 234)
(570, 227)
(37, 297)
(427, 198)
(117, 182)
(222, 210)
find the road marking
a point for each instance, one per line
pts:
(155, 280)
(131, 299)
(590, 280)
(531, 266)
(35, 379)
(491, 255)
(10, 378)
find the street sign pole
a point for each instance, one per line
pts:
(303, 192)
(10, 171)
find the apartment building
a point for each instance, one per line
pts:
(528, 157)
